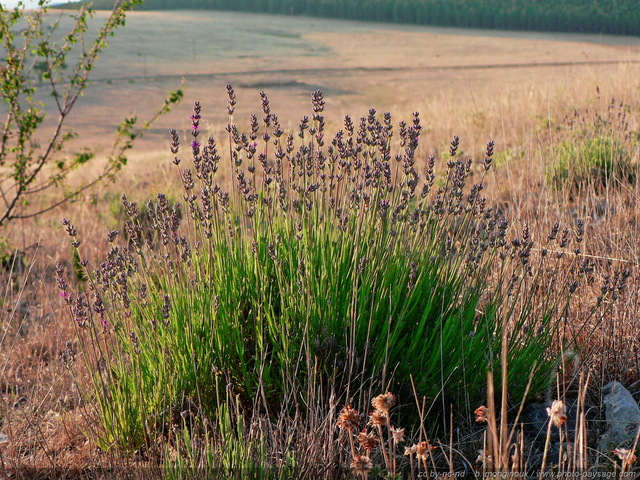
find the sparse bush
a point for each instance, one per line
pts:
(598, 152)
(35, 58)
(591, 163)
(333, 263)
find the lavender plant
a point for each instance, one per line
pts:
(332, 256)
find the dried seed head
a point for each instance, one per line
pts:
(349, 418)
(481, 414)
(368, 441)
(378, 417)
(422, 450)
(627, 456)
(557, 413)
(384, 402)
(410, 450)
(397, 434)
(361, 465)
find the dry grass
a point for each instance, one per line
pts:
(513, 89)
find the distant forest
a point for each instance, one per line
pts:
(620, 17)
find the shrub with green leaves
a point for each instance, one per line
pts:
(595, 162)
(34, 54)
(599, 151)
(327, 259)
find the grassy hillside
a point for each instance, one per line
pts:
(621, 17)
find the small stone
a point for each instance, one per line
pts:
(622, 417)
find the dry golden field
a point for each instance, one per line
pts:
(451, 76)
(518, 89)
(476, 84)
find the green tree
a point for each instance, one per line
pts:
(35, 57)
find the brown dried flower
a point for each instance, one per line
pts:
(627, 456)
(557, 413)
(397, 434)
(384, 402)
(378, 417)
(422, 450)
(481, 414)
(349, 418)
(361, 465)
(410, 450)
(368, 441)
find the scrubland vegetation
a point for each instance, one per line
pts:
(335, 298)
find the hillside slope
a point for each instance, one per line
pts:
(621, 17)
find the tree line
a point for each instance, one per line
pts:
(619, 17)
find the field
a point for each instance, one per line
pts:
(534, 95)
(358, 66)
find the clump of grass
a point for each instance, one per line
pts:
(330, 262)
(596, 162)
(598, 152)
